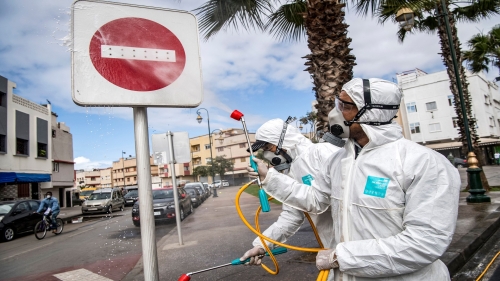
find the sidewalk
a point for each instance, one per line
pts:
(215, 235)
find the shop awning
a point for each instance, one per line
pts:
(457, 144)
(23, 177)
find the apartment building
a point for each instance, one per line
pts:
(106, 178)
(62, 162)
(124, 171)
(232, 144)
(200, 153)
(25, 145)
(429, 117)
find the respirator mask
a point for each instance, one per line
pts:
(339, 127)
(280, 159)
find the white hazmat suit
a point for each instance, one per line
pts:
(308, 160)
(394, 207)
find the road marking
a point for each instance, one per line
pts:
(176, 245)
(9, 257)
(81, 232)
(80, 274)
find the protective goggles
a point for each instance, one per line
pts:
(343, 105)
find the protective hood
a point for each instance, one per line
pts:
(294, 143)
(382, 92)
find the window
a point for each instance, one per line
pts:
(42, 129)
(92, 179)
(207, 146)
(434, 127)
(431, 106)
(208, 160)
(186, 168)
(411, 107)
(219, 149)
(3, 147)
(22, 133)
(233, 161)
(451, 100)
(34, 205)
(243, 159)
(53, 133)
(415, 128)
(23, 190)
(487, 99)
(243, 145)
(22, 147)
(134, 178)
(195, 148)
(55, 167)
(455, 122)
(23, 206)
(492, 122)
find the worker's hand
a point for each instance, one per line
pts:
(255, 254)
(326, 259)
(261, 167)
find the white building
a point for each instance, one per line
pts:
(428, 111)
(25, 145)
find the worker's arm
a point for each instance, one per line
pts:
(431, 194)
(287, 224)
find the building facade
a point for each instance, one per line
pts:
(124, 172)
(429, 117)
(25, 145)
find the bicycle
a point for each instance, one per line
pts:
(42, 226)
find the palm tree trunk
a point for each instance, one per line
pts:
(330, 62)
(448, 62)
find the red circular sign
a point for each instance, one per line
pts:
(143, 55)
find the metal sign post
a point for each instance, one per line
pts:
(148, 236)
(174, 184)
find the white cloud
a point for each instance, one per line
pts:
(83, 163)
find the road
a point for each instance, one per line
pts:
(107, 246)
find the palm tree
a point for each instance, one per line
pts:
(329, 62)
(484, 50)
(428, 18)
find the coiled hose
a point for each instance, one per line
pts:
(323, 275)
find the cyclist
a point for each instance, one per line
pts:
(50, 204)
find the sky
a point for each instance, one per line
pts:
(246, 70)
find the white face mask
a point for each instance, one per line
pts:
(337, 125)
(273, 158)
(48, 196)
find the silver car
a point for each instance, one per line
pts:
(104, 200)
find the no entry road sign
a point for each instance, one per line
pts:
(127, 55)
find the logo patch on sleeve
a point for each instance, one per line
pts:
(307, 179)
(376, 186)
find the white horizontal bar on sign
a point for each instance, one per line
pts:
(133, 53)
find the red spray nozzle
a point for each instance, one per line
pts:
(236, 115)
(184, 277)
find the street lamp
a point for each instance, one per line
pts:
(199, 119)
(123, 167)
(405, 17)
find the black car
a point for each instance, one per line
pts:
(131, 197)
(17, 217)
(164, 206)
(195, 195)
(201, 189)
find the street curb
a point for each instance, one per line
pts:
(462, 250)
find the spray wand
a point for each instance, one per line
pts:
(264, 203)
(187, 276)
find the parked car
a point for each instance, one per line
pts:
(459, 162)
(205, 185)
(104, 200)
(17, 217)
(164, 206)
(86, 192)
(195, 195)
(199, 185)
(217, 184)
(131, 197)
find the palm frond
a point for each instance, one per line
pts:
(217, 15)
(477, 10)
(287, 22)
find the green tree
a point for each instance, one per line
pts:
(201, 171)
(428, 17)
(484, 50)
(221, 165)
